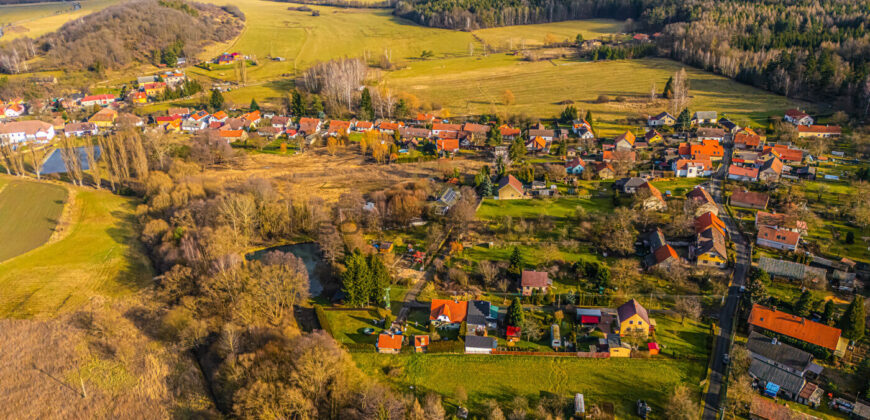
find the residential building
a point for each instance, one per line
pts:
(710, 249)
(439, 129)
(653, 200)
(338, 128)
(653, 137)
(793, 271)
(748, 139)
(778, 239)
(448, 311)
(704, 117)
(575, 166)
(477, 317)
(613, 345)
(692, 168)
(389, 343)
(633, 319)
(819, 131)
(510, 188)
(80, 129)
(749, 199)
(800, 329)
(663, 257)
(700, 201)
(101, 100)
(104, 118)
(629, 185)
(709, 220)
(662, 119)
(421, 343)
(532, 281)
(26, 131)
(740, 173)
(625, 141)
(309, 126)
(475, 344)
(710, 133)
(603, 170)
(798, 117)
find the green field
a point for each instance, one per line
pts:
(561, 208)
(29, 212)
(98, 256)
(38, 19)
(476, 85)
(617, 381)
(520, 36)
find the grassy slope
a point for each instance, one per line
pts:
(512, 37)
(42, 18)
(29, 211)
(98, 256)
(475, 85)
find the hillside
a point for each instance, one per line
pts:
(141, 31)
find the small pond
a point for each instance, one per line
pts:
(309, 252)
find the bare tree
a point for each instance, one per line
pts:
(37, 155)
(688, 307)
(93, 166)
(488, 271)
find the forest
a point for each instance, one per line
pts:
(136, 31)
(817, 51)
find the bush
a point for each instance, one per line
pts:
(322, 320)
(602, 99)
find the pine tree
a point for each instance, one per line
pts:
(493, 136)
(515, 313)
(216, 101)
(316, 109)
(254, 105)
(568, 114)
(297, 105)
(828, 314)
(668, 91)
(367, 110)
(516, 262)
(517, 150)
(852, 322)
(802, 306)
(684, 121)
(485, 189)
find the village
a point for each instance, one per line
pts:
(700, 183)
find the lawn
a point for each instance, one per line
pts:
(561, 208)
(98, 256)
(522, 36)
(29, 212)
(678, 186)
(473, 85)
(617, 381)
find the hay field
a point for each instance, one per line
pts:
(530, 36)
(476, 85)
(38, 19)
(29, 212)
(97, 255)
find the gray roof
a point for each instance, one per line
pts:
(478, 342)
(786, 380)
(784, 354)
(588, 312)
(706, 115)
(790, 269)
(477, 312)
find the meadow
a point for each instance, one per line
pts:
(531, 36)
(29, 212)
(560, 208)
(38, 19)
(98, 255)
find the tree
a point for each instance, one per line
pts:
(515, 313)
(254, 106)
(486, 188)
(216, 101)
(531, 328)
(297, 104)
(668, 91)
(681, 405)
(508, 97)
(568, 114)
(517, 150)
(828, 313)
(578, 40)
(688, 307)
(488, 271)
(684, 120)
(367, 109)
(493, 136)
(853, 321)
(516, 262)
(802, 306)
(755, 291)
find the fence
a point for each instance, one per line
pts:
(593, 355)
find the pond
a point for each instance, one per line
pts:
(309, 252)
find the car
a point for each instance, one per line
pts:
(726, 359)
(643, 409)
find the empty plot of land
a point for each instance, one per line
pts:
(29, 212)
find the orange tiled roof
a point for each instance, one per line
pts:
(708, 220)
(664, 253)
(453, 310)
(819, 129)
(795, 327)
(390, 341)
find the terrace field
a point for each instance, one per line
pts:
(97, 255)
(29, 212)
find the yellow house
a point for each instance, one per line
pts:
(154, 88)
(633, 320)
(510, 188)
(104, 118)
(710, 249)
(139, 98)
(653, 137)
(616, 348)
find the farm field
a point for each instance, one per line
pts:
(519, 36)
(617, 381)
(30, 212)
(98, 255)
(38, 19)
(472, 85)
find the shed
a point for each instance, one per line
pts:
(555, 337)
(589, 316)
(653, 348)
(771, 389)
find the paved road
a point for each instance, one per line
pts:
(712, 401)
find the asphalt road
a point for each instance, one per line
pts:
(713, 400)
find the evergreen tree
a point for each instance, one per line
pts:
(568, 114)
(486, 187)
(668, 91)
(380, 276)
(562, 148)
(802, 306)
(254, 105)
(355, 280)
(828, 314)
(493, 136)
(517, 150)
(853, 320)
(500, 167)
(367, 110)
(516, 262)
(684, 121)
(401, 110)
(515, 313)
(297, 104)
(316, 108)
(216, 102)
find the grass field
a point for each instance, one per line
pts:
(561, 208)
(98, 256)
(617, 381)
(476, 85)
(29, 212)
(38, 19)
(520, 36)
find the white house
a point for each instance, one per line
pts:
(23, 131)
(798, 117)
(80, 129)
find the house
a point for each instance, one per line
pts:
(513, 334)
(633, 319)
(652, 197)
(709, 220)
(625, 141)
(640, 38)
(538, 130)
(784, 153)
(13, 110)
(692, 168)
(424, 118)
(252, 118)
(778, 239)
(710, 249)
(534, 281)
(704, 117)
(709, 133)
(700, 200)
(824, 131)
(655, 239)
(193, 125)
(26, 131)
(421, 343)
(653, 137)
(174, 78)
(508, 133)
(661, 119)
(153, 89)
(447, 145)
(80, 129)
(619, 155)
(270, 132)
(771, 351)
(104, 118)
(770, 170)
(477, 130)
(580, 127)
(309, 126)
(126, 119)
(589, 316)
(603, 170)
(749, 199)
(740, 173)
(233, 135)
(575, 166)
(101, 100)
(476, 317)
(448, 311)
(415, 133)
(475, 344)
(663, 257)
(219, 116)
(338, 128)
(798, 117)
(510, 188)
(780, 221)
(138, 97)
(539, 144)
(141, 80)
(439, 129)
(629, 185)
(389, 343)
(748, 139)
(763, 319)
(729, 125)
(389, 127)
(709, 148)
